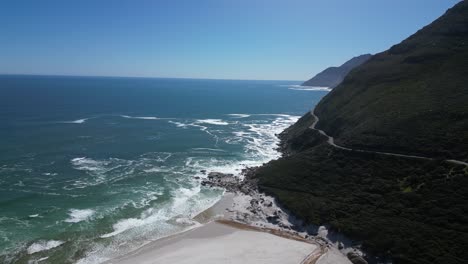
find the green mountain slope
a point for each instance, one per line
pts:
(333, 76)
(411, 99)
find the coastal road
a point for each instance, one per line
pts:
(331, 142)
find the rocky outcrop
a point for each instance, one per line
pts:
(231, 183)
(252, 206)
(355, 258)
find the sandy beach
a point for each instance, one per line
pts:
(222, 239)
(220, 243)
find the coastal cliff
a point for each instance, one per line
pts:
(333, 76)
(410, 100)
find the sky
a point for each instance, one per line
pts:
(221, 39)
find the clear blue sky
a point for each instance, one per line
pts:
(235, 39)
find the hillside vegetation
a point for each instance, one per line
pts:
(411, 211)
(411, 99)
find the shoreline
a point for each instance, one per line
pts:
(245, 227)
(221, 242)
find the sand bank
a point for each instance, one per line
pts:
(220, 243)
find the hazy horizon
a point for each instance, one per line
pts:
(245, 40)
(142, 77)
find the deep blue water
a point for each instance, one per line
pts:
(91, 167)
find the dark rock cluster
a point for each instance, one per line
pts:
(232, 183)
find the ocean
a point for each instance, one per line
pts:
(94, 167)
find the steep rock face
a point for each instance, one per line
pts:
(333, 76)
(412, 98)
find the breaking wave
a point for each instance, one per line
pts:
(43, 246)
(78, 121)
(238, 115)
(142, 117)
(78, 215)
(218, 122)
(308, 88)
(170, 193)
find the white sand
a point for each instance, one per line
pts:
(333, 256)
(216, 243)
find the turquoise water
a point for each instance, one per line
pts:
(91, 168)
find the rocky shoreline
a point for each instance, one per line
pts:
(252, 207)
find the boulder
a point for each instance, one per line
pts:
(355, 258)
(340, 245)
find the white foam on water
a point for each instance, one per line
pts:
(20, 184)
(180, 197)
(157, 169)
(157, 156)
(240, 133)
(50, 174)
(42, 259)
(197, 123)
(130, 234)
(261, 138)
(126, 224)
(78, 215)
(187, 197)
(86, 164)
(142, 117)
(100, 171)
(186, 221)
(43, 245)
(179, 124)
(205, 129)
(151, 216)
(208, 149)
(148, 196)
(218, 165)
(239, 115)
(308, 88)
(112, 170)
(218, 122)
(281, 115)
(78, 121)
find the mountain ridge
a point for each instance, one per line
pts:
(333, 76)
(410, 98)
